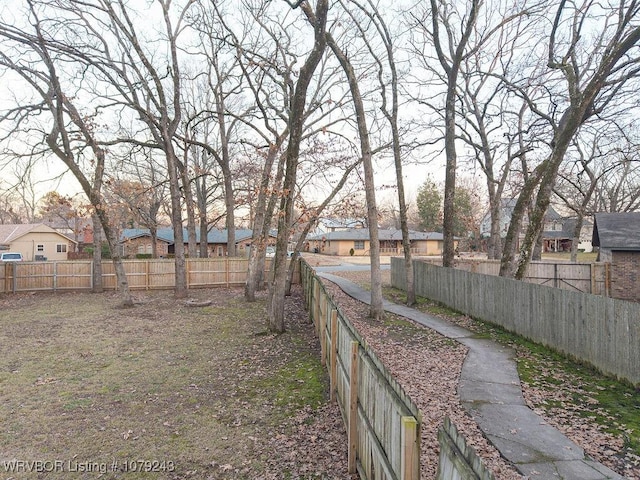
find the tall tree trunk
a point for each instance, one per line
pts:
(230, 221)
(275, 316)
(376, 309)
(153, 233)
(261, 223)
(98, 286)
(180, 290)
(192, 241)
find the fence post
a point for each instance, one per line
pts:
(353, 408)
(323, 334)
(333, 355)
(14, 276)
(592, 271)
(410, 466)
(55, 276)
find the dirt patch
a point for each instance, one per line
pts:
(180, 391)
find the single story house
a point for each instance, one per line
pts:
(617, 236)
(355, 241)
(35, 241)
(135, 241)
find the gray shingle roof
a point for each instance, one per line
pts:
(166, 235)
(617, 231)
(363, 234)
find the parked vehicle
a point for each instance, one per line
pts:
(10, 257)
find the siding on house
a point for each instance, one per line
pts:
(341, 242)
(35, 241)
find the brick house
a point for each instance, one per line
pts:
(134, 241)
(617, 236)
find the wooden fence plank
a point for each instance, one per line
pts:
(353, 408)
(333, 374)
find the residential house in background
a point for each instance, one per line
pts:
(326, 225)
(134, 241)
(557, 234)
(36, 241)
(617, 236)
(355, 241)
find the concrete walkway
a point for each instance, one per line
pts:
(490, 391)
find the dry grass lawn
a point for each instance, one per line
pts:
(162, 390)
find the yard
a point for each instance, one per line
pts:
(162, 390)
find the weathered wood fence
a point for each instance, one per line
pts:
(382, 422)
(145, 274)
(457, 460)
(602, 331)
(592, 278)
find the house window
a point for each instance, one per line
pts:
(40, 248)
(358, 245)
(61, 248)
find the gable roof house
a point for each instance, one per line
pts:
(35, 241)
(341, 242)
(557, 233)
(135, 241)
(617, 236)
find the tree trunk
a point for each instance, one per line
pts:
(448, 251)
(97, 283)
(255, 268)
(376, 309)
(576, 236)
(180, 290)
(275, 315)
(230, 221)
(192, 241)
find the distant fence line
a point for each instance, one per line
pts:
(148, 274)
(592, 278)
(602, 331)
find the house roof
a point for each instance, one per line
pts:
(11, 232)
(384, 234)
(617, 231)
(214, 236)
(342, 223)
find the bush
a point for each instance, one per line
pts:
(143, 256)
(352, 252)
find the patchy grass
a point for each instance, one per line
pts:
(193, 392)
(583, 257)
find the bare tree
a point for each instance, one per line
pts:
(133, 75)
(296, 121)
(390, 108)
(71, 132)
(595, 60)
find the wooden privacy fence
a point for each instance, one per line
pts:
(382, 422)
(145, 274)
(592, 278)
(457, 459)
(604, 332)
